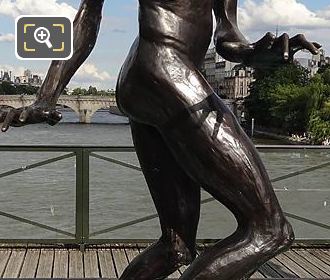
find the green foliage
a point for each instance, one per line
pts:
(286, 99)
(12, 89)
(264, 92)
(92, 91)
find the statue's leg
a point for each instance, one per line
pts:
(177, 200)
(212, 148)
(208, 144)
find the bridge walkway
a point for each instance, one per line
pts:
(109, 261)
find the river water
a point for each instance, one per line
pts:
(117, 194)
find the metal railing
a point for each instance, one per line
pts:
(82, 156)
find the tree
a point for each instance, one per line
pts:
(265, 95)
(7, 88)
(92, 91)
(79, 91)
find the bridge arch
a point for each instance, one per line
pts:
(84, 106)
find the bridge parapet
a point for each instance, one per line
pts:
(84, 106)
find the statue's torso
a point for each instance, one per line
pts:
(183, 24)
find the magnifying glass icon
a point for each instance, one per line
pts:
(42, 35)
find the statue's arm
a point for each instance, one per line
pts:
(85, 31)
(231, 44)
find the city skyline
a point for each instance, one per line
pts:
(119, 28)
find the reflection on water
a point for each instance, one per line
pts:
(117, 194)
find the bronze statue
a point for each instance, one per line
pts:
(185, 137)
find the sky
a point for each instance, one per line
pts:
(119, 28)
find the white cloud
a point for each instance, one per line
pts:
(324, 13)
(90, 71)
(16, 70)
(256, 17)
(285, 13)
(7, 37)
(15, 8)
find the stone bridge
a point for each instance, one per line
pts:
(84, 106)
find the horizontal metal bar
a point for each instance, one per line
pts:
(30, 242)
(105, 148)
(39, 241)
(64, 148)
(298, 241)
(292, 147)
(115, 161)
(34, 165)
(26, 221)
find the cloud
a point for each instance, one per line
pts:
(284, 13)
(15, 8)
(89, 71)
(7, 37)
(324, 13)
(16, 70)
(256, 17)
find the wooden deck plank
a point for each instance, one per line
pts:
(281, 269)
(257, 275)
(4, 257)
(314, 260)
(45, 265)
(106, 264)
(61, 264)
(326, 254)
(311, 268)
(320, 255)
(14, 264)
(269, 272)
(91, 266)
(294, 267)
(120, 260)
(76, 266)
(131, 253)
(30, 264)
(99, 262)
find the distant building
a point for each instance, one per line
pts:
(28, 79)
(236, 83)
(228, 79)
(314, 63)
(5, 76)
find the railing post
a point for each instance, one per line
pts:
(82, 196)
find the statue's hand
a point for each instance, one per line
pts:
(29, 115)
(270, 51)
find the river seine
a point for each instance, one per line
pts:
(46, 194)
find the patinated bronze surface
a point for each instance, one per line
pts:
(185, 137)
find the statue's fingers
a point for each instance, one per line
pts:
(317, 45)
(265, 42)
(282, 44)
(299, 42)
(8, 120)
